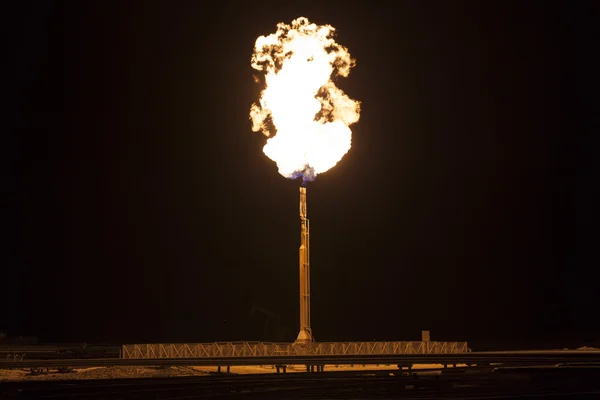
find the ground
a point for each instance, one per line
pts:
(150, 372)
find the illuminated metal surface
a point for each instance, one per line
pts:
(262, 349)
(305, 334)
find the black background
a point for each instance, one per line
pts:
(142, 209)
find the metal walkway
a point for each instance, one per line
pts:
(262, 349)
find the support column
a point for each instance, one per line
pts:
(305, 334)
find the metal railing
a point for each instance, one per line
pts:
(261, 349)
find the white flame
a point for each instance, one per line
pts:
(309, 114)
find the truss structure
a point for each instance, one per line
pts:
(262, 349)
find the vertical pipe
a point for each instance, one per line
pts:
(308, 323)
(305, 334)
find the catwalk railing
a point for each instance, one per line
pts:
(262, 349)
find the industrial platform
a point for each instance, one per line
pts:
(262, 349)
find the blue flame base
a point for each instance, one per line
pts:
(307, 175)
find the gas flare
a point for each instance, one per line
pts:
(305, 115)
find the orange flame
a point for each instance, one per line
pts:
(308, 115)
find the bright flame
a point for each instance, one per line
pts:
(308, 113)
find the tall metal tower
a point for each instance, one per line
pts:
(305, 334)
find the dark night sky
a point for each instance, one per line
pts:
(141, 207)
